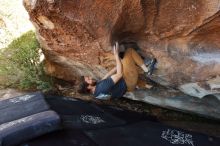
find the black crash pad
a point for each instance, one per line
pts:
(25, 117)
(62, 138)
(81, 115)
(150, 134)
(29, 127)
(143, 131)
(22, 106)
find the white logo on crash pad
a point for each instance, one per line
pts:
(91, 119)
(21, 98)
(177, 137)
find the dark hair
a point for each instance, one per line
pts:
(83, 86)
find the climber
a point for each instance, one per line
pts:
(120, 79)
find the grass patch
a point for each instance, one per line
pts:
(20, 65)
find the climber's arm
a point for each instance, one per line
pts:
(111, 72)
(118, 75)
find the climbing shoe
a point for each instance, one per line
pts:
(151, 66)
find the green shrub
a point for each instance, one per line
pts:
(20, 65)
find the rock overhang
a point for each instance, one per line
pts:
(76, 37)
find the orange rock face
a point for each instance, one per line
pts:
(184, 36)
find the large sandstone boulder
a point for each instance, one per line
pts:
(184, 36)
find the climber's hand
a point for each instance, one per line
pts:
(116, 49)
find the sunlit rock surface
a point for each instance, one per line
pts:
(183, 35)
(208, 106)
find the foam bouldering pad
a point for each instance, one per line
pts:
(82, 115)
(15, 132)
(143, 131)
(22, 106)
(127, 115)
(62, 138)
(67, 106)
(150, 134)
